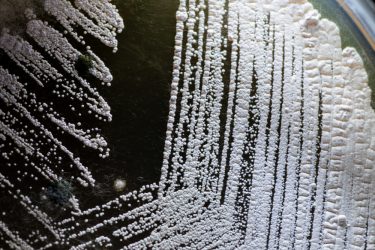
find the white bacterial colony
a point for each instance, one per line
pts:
(101, 11)
(269, 144)
(45, 101)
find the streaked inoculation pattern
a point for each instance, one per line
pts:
(269, 141)
(44, 101)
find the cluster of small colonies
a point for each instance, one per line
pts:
(269, 142)
(44, 101)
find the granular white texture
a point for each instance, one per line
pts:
(269, 143)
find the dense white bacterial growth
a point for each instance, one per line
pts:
(33, 128)
(269, 143)
(102, 11)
